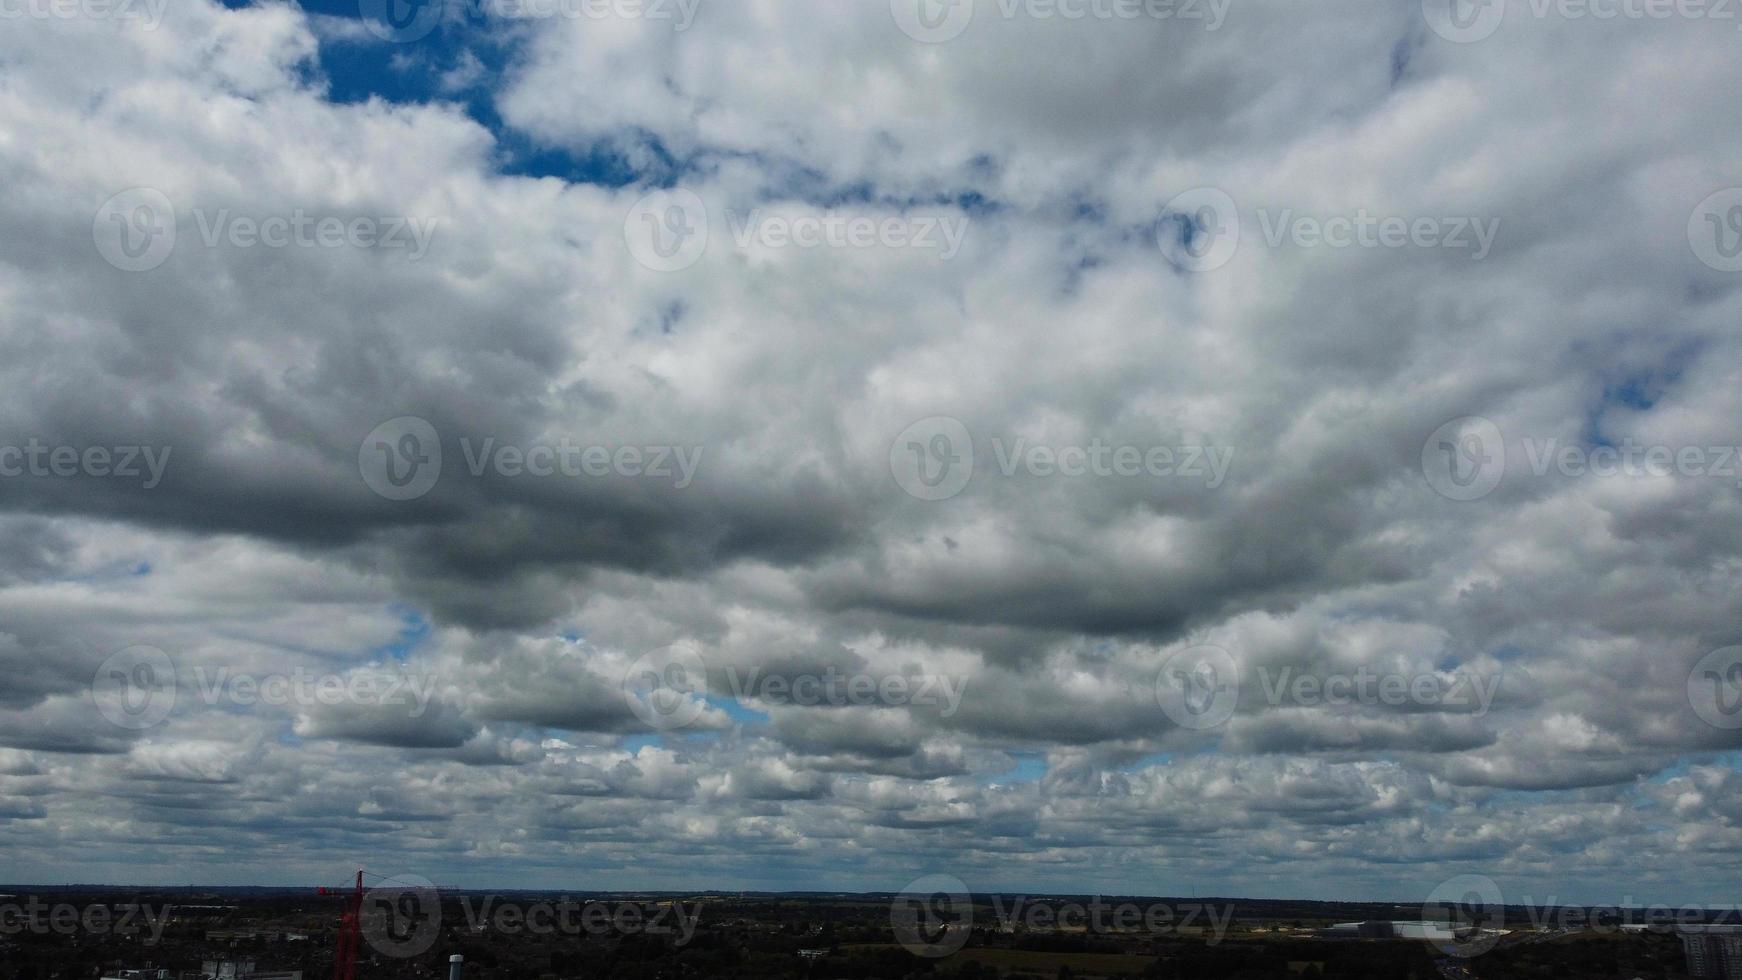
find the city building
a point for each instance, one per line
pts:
(1714, 952)
(1399, 929)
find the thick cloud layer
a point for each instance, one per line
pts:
(1281, 449)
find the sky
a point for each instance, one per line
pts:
(1216, 447)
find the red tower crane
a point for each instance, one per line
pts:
(350, 931)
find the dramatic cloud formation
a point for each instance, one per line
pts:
(1244, 446)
